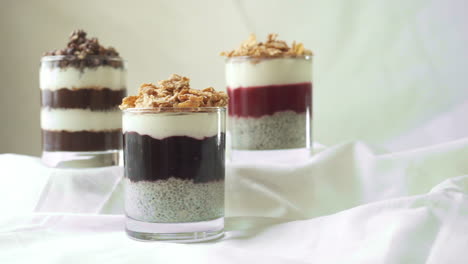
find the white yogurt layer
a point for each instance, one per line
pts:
(80, 119)
(244, 73)
(54, 78)
(162, 125)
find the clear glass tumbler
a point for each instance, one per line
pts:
(80, 120)
(174, 173)
(270, 105)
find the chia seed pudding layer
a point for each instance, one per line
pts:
(282, 130)
(174, 200)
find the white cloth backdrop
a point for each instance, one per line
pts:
(404, 207)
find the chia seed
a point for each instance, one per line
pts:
(174, 200)
(282, 130)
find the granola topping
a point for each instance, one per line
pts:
(272, 48)
(174, 92)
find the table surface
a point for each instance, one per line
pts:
(349, 203)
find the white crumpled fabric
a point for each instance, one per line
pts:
(348, 203)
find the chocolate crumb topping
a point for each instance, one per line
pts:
(84, 52)
(174, 92)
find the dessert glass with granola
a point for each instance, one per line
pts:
(174, 148)
(270, 97)
(81, 86)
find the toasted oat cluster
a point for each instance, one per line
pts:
(174, 92)
(271, 48)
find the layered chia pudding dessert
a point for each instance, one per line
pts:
(174, 148)
(82, 86)
(270, 91)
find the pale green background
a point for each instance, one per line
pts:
(392, 73)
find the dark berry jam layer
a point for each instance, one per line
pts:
(258, 101)
(181, 157)
(94, 99)
(81, 140)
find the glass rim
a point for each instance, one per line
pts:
(207, 109)
(50, 58)
(252, 58)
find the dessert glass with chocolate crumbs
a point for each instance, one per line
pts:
(174, 158)
(81, 89)
(270, 91)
